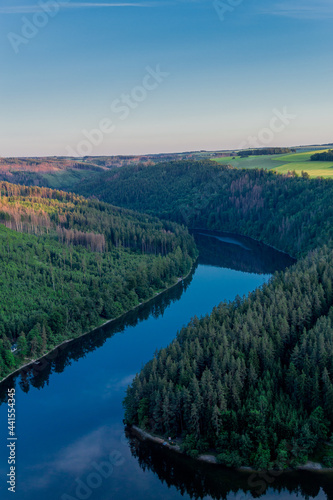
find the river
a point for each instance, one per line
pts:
(71, 442)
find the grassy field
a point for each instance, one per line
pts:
(298, 162)
(301, 157)
(313, 168)
(268, 162)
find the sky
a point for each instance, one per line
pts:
(137, 77)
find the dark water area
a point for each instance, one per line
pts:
(251, 256)
(71, 442)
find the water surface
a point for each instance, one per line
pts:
(71, 439)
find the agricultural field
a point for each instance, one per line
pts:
(313, 168)
(301, 162)
(301, 157)
(298, 162)
(268, 162)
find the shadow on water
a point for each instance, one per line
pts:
(239, 253)
(215, 249)
(200, 480)
(197, 480)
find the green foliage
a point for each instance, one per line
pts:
(254, 379)
(85, 262)
(265, 151)
(261, 458)
(143, 412)
(230, 459)
(324, 156)
(328, 461)
(254, 391)
(291, 213)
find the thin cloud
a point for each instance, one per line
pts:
(302, 10)
(27, 9)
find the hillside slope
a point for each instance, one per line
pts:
(68, 264)
(294, 214)
(254, 380)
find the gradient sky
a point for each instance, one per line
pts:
(226, 75)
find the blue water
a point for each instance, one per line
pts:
(71, 441)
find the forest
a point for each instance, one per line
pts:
(69, 264)
(253, 380)
(325, 156)
(290, 212)
(264, 151)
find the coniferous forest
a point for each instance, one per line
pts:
(253, 380)
(290, 212)
(68, 264)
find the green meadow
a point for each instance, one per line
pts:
(313, 168)
(298, 162)
(268, 162)
(301, 162)
(301, 157)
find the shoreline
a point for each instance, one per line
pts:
(212, 231)
(217, 232)
(211, 459)
(34, 361)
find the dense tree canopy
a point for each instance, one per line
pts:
(264, 151)
(67, 264)
(293, 214)
(255, 379)
(325, 156)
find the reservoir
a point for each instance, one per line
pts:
(71, 442)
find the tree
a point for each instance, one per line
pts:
(22, 345)
(261, 458)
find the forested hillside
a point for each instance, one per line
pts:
(67, 264)
(254, 380)
(294, 214)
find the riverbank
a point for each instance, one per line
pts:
(211, 459)
(51, 352)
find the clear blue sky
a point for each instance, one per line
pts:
(227, 72)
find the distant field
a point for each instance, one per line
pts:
(301, 162)
(301, 156)
(283, 163)
(313, 168)
(268, 162)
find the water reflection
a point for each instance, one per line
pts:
(38, 374)
(76, 420)
(200, 480)
(215, 249)
(239, 253)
